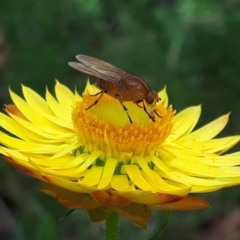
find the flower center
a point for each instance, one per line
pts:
(105, 126)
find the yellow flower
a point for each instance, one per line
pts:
(96, 160)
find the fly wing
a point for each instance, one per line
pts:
(97, 68)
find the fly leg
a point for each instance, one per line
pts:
(155, 111)
(126, 110)
(97, 100)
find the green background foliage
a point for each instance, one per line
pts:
(191, 46)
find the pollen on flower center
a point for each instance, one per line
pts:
(105, 126)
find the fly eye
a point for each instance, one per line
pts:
(149, 98)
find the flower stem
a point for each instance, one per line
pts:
(161, 228)
(112, 227)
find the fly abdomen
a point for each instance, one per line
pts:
(102, 84)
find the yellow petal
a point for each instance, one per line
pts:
(57, 108)
(34, 116)
(108, 172)
(137, 178)
(35, 101)
(120, 183)
(214, 145)
(90, 160)
(92, 177)
(64, 183)
(185, 121)
(156, 181)
(12, 126)
(228, 160)
(208, 131)
(65, 98)
(200, 170)
(164, 97)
